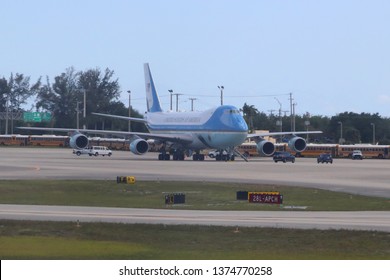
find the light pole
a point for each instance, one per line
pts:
(85, 108)
(171, 93)
(129, 92)
(177, 100)
(373, 133)
(78, 112)
(307, 124)
(192, 103)
(221, 88)
(7, 114)
(341, 132)
(291, 112)
(294, 104)
(279, 122)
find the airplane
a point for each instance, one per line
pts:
(186, 133)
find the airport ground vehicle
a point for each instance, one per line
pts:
(283, 156)
(213, 154)
(93, 151)
(82, 152)
(324, 158)
(357, 154)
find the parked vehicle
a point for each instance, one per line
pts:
(283, 156)
(327, 158)
(357, 154)
(81, 151)
(215, 153)
(93, 151)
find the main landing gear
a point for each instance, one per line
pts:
(164, 156)
(179, 155)
(223, 155)
(198, 157)
(229, 155)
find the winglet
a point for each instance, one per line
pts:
(152, 100)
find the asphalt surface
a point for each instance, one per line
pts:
(356, 220)
(368, 177)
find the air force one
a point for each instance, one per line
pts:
(186, 133)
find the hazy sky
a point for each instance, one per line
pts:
(332, 55)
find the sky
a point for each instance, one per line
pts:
(332, 55)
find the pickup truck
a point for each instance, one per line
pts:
(93, 151)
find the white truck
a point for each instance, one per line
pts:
(93, 151)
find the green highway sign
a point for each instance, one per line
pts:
(36, 117)
(46, 117)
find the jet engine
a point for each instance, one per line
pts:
(265, 148)
(139, 146)
(297, 144)
(78, 141)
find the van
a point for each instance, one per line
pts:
(100, 150)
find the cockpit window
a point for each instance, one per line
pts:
(232, 111)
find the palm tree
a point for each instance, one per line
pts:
(249, 112)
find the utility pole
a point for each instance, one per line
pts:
(171, 93)
(192, 103)
(77, 116)
(373, 133)
(341, 140)
(271, 112)
(6, 115)
(221, 88)
(129, 92)
(294, 104)
(85, 108)
(291, 111)
(279, 122)
(177, 100)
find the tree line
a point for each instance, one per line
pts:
(346, 128)
(64, 99)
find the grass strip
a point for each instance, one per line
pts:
(66, 240)
(199, 195)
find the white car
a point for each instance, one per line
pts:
(94, 151)
(357, 154)
(214, 154)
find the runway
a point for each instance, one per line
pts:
(352, 220)
(367, 177)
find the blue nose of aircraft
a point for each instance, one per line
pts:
(227, 118)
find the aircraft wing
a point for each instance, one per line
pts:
(121, 117)
(176, 138)
(281, 133)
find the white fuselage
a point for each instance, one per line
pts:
(217, 128)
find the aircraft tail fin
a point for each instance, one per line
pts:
(152, 100)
